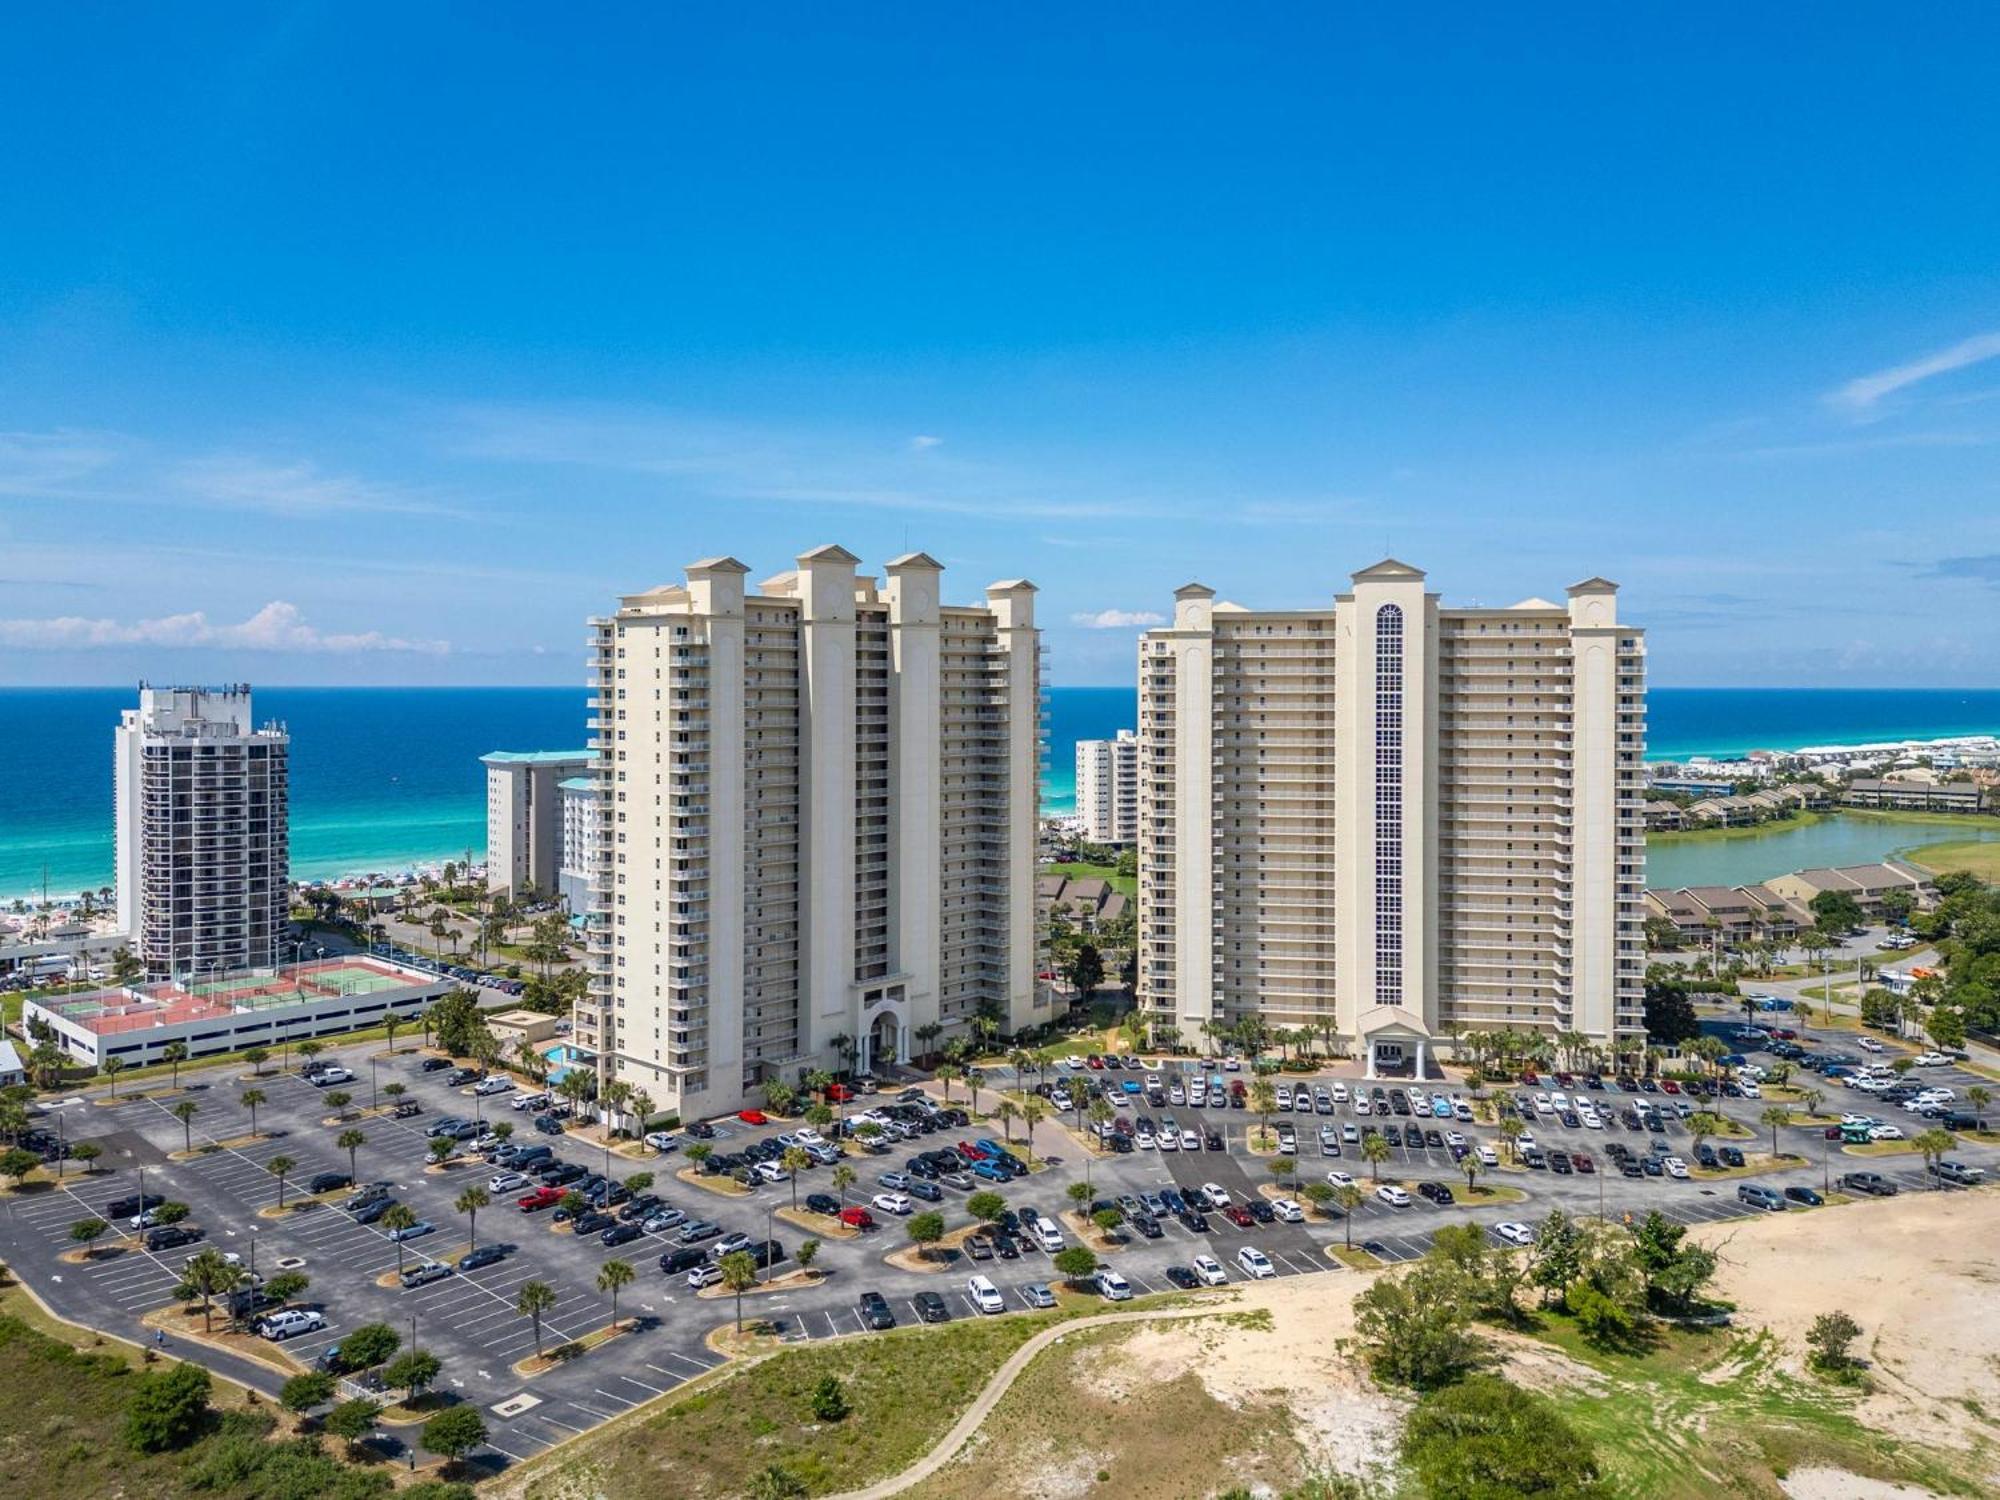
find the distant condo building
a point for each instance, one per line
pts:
(1392, 816)
(525, 818)
(202, 819)
(582, 834)
(820, 819)
(1107, 788)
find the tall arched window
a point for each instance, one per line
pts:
(1389, 805)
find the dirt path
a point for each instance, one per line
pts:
(1003, 1378)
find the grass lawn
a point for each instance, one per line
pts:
(1980, 859)
(904, 1390)
(1706, 1412)
(1127, 883)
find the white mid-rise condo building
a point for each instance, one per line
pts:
(202, 798)
(1387, 820)
(819, 816)
(1107, 788)
(525, 819)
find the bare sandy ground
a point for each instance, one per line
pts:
(1920, 1274)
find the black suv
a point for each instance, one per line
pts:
(684, 1259)
(126, 1208)
(170, 1236)
(875, 1311)
(326, 1182)
(434, 1064)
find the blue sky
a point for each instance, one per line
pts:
(343, 343)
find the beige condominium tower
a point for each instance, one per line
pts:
(1389, 819)
(818, 833)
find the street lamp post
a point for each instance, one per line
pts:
(374, 1075)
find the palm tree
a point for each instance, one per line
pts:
(175, 1053)
(113, 1066)
(251, 1099)
(1934, 1144)
(1006, 1112)
(1349, 1197)
(1777, 1117)
(207, 1276)
(1471, 1166)
(400, 1217)
(278, 1166)
(391, 1024)
(1263, 1099)
(739, 1274)
(794, 1161)
(469, 1203)
(1511, 1131)
(613, 1275)
(1978, 1097)
(350, 1141)
(185, 1111)
(1375, 1148)
(946, 1072)
(534, 1301)
(973, 1078)
(843, 1179)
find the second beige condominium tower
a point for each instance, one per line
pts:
(1389, 818)
(819, 806)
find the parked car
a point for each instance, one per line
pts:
(425, 1274)
(875, 1312)
(279, 1326)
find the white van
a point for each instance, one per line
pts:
(1048, 1236)
(985, 1295)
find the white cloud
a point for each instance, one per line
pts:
(1117, 619)
(924, 440)
(278, 626)
(1862, 393)
(241, 482)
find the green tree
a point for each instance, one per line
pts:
(808, 1252)
(469, 1203)
(86, 1152)
(278, 1167)
(739, 1274)
(1674, 1269)
(441, 1149)
(302, 1393)
(1934, 1146)
(1263, 1099)
(16, 1163)
(1558, 1256)
(338, 1101)
(175, 1053)
(308, 1050)
(1511, 1130)
(1831, 1341)
(829, 1400)
(257, 1057)
(411, 1372)
(185, 1111)
(398, 1217)
(1415, 1328)
(251, 1099)
(612, 1276)
(1375, 1148)
(1775, 1117)
(113, 1066)
(1349, 1198)
(1077, 1263)
(1484, 1439)
(368, 1346)
(924, 1230)
(350, 1141)
(1472, 1167)
(534, 1301)
(1318, 1194)
(1283, 1167)
(287, 1287)
(794, 1161)
(455, 1432)
(86, 1233)
(351, 1421)
(987, 1207)
(168, 1408)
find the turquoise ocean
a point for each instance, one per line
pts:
(386, 779)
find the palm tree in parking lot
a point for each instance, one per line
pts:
(843, 1179)
(176, 1054)
(469, 1203)
(278, 1166)
(1471, 1166)
(613, 1275)
(534, 1301)
(1511, 1131)
(1934, 1145)
(1007, 1112)
(350, 1141)
(794, 1161)
(1349, 1197)
(401, 1216)
(1375, 1148)
(1776, 1117)
(739, 1274)
(185, 1111)
(1263, 1099)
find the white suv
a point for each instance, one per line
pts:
(1392, 1195)
(278, 1326)
(985, 1295)
(1216, 1196)
(1209, 1270)
(1256, 1262)
(1112, 1287)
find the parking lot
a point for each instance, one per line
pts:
(470, 1320)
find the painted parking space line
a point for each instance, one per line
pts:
(633, 1380)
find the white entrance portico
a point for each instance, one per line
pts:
(885, 1029)
(1394, 1038)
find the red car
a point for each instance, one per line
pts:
(969, 1152)
(1668, 1086)
(1581, 1162)
(1531, 1076)
(1238, 1215)
(857, 1218)
(541, 1197)
(1094, 1063)
(840, 1093)
(753, 1117)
